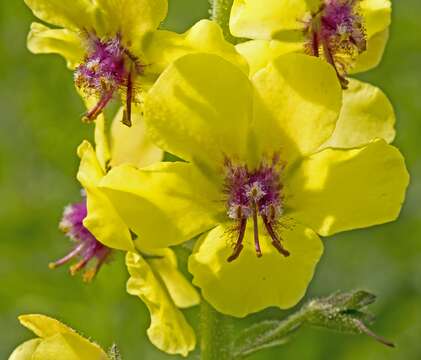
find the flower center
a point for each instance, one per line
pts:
(252, 194)
(108, 68)
(336, 30)
(87, 247)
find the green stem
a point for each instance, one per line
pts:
(220, 12)
(266, 334)
(216, 334)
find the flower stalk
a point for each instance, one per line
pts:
(216, 334)
(220, 13)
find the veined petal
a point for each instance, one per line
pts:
(250, 284)
(200, 110)
(297, 105)
(164, 264)
(164, 204)
(162, 47)
(337, 190)
(370, 58)
(71, 14)
(68, 346)
(169, 330)
(132, 18)
(264, 19)
(67, 43)
(26, 350)
(259, 53)
(366, 115)
(377, 15)
(132, 145)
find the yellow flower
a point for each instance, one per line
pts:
(55, 341)
(255, 187)
(366, 111)
(155, 277)
(349, 34)
(115, 47)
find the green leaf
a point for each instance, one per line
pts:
(342, 312)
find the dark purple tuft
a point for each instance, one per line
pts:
(87, 248)
(253, 193)
(108, 67)
(336, 30)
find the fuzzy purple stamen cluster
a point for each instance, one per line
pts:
(258, 190)
(337, 31)
(87, 248)
(342, 25)
(104, 67)
(108, 67)
(251, 194)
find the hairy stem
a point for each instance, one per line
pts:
(216, 334)
(220, 12)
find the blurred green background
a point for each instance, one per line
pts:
(39, 132)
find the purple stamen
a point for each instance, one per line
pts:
(336, 29)
(239, 245)
(275, 239)
(127, 117)
(107, 68)
(87, 248)
(253, 194)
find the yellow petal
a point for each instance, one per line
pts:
(161, 47)
(169, 330)
(297, 105)
(376, 14)
(370, 58)
(164, 204)
(132, 18)
(250, 284)
(102, 148)
(200, 110)
(164, 264)
(132, 145)
(102, 220)
(25, 350)
(68, 346)
(337, 190)
(259, 53)
(264, 19)
(43, 40)
(90, 170)
(59, 341)
(44, 326)
(366, 115)
(71, 14)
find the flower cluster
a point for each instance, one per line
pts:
(275, 147)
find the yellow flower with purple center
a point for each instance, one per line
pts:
(258, 184)
(114, 47)
(349, 34)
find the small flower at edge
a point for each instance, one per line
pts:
(87, 247)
